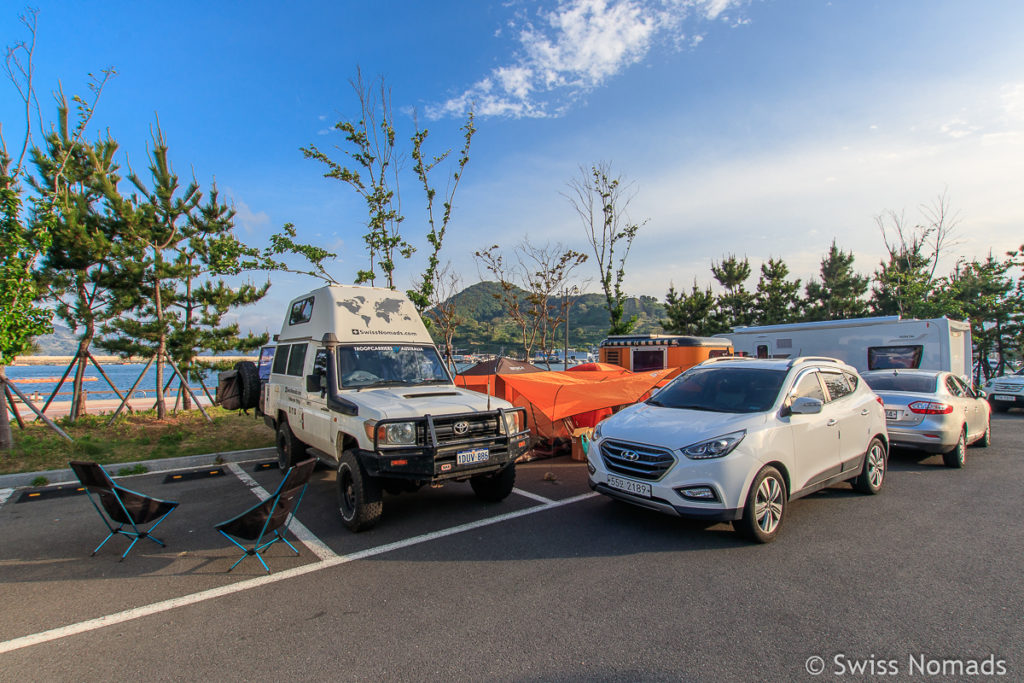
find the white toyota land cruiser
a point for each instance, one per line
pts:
(356, 376)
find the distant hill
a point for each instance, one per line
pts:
(63, 342)
(488, 330)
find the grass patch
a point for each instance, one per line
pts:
(133, 437)
(138, 468)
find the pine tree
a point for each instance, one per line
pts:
(777, 300)
(689, 313)
(735, 307)
(840, 294)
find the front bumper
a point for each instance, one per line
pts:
(661, 505)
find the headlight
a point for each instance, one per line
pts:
(716, 447)
(513, 422)
(597, 430)
(393, 434)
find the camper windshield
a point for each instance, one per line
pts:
(374, 365)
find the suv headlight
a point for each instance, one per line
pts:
(513, 422)
(392, 434)
(716, 447)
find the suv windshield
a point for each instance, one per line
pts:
(917, 384)
(378, 365)
(722, 389)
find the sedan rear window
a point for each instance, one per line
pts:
(722, 389)
(918, 384)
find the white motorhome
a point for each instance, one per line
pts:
(866, 343)
(356, 376)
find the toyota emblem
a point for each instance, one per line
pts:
(460, 427)
(631, 456)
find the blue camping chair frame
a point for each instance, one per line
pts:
(270, 517)
(121, 506)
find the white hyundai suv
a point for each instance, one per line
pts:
(736, 439)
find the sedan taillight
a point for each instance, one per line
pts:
(930, 408)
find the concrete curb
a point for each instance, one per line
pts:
(13, 481)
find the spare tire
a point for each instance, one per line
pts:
(249, 384)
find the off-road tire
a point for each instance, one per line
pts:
(957, 457)
(875, 466)
(359, 495)
(495, 487)
(248, 384)
(290, 449)
(765, 509)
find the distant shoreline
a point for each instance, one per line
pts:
(118, 360)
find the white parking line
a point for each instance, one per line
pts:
(533, 496)
(202, 596)
(308, 538)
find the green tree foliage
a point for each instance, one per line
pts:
(777, 299)
(601, 199)
(371, 145)
(691, 313)
(840, 293)
(79, 267)
(735, 306)
(178, 245)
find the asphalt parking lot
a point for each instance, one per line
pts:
(554, 583)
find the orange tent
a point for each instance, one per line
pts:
(562, 394)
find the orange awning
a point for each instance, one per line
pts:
(563, 394)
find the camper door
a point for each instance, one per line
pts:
(649, 358)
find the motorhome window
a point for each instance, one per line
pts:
(809, 387)
(726, 390)
(783, 343)
(890, 357)
(370, 365)
(281, 359)
(266, 360)
(916, 384)
(644, 359)
(302, 311)
(836, 384)
(297, 359)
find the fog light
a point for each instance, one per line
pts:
(591, 468)
(698, 493)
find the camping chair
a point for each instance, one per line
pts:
(121, 506)
(270, 516)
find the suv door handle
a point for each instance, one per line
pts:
(864, 412)
(831, 423)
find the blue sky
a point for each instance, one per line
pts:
(762, 128)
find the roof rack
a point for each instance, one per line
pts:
(721, 358)
(801, 359)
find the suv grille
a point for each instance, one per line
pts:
(444, 427)
(633, 460)
(1007, 386)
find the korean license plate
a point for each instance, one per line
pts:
(637, 488)
(891, 414)
(1004, 397)
(471, 456)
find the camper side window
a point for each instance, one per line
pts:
(297, 359)
(281, 359)
(301, 311)
(894, 357)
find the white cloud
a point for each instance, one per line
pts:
(575, 48)
(246, 218)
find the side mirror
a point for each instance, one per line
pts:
(805, 405)
(315, 382)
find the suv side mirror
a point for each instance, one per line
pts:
(316, 382)
(805, 405)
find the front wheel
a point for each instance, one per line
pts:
(765, 508)
(958, 456)
(872, 473)
(359, 495)
(495, 487)
(290, 449)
